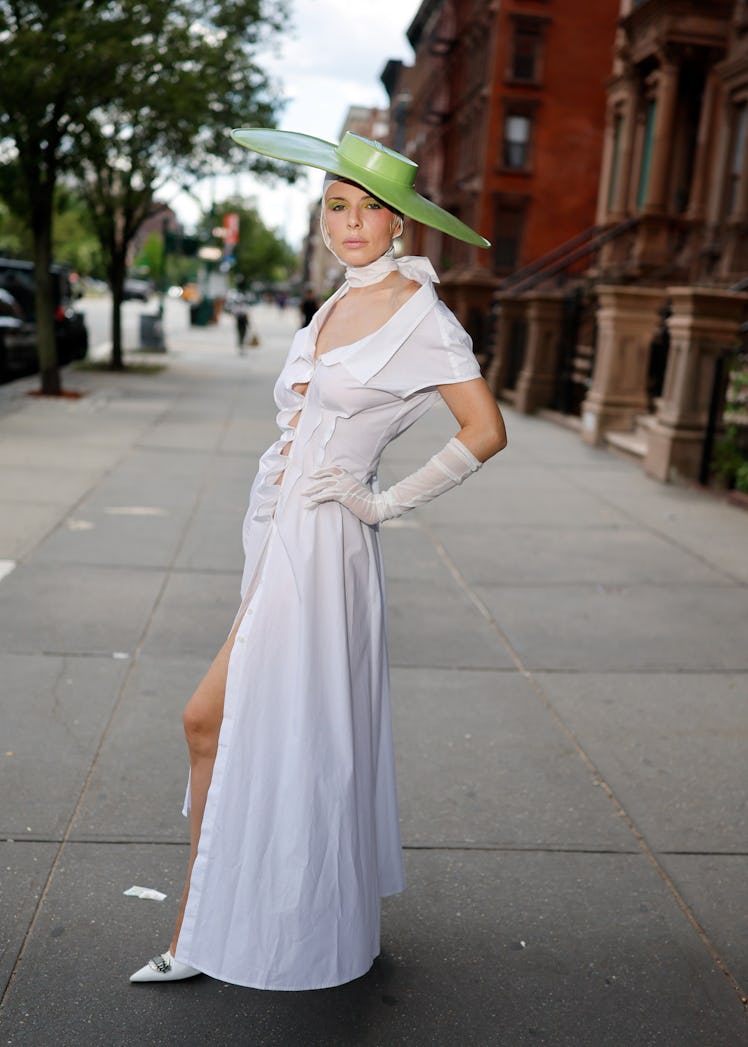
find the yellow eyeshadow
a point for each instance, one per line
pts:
(339, 200)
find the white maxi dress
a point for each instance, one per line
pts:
(300, 836)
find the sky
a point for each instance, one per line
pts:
(331, 58)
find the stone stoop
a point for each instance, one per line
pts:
(568, 421)
(631, 443)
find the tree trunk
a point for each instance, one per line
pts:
(117, 269)
(44, 299)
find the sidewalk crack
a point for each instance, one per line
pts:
(597, 777)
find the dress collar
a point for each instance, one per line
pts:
(366, 357)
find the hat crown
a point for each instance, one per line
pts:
(378, 159)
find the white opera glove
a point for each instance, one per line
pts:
(453, 464)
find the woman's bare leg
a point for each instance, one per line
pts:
(202, 723)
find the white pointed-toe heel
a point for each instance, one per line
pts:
(163, 968)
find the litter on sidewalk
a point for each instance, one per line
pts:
(145, 892)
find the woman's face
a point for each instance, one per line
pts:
(360, 226)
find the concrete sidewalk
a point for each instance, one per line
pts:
(569, 643)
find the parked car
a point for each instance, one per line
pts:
(71, 333)
(235, 300)
(17, 340)
(138, 290)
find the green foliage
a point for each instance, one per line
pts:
(741, 478)
(738, 385)
(730, 458)
(180, 270)
(74, 241)
(151, 256)
(15, 235)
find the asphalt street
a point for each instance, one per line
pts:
(569, 647)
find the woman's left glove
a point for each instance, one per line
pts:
(453, 464)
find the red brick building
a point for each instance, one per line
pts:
(504, 110)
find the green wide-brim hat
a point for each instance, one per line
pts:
(388, 175)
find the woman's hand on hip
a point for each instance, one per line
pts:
(336, 485)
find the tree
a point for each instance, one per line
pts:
(57, 56)
(124, 92)
(191, 77)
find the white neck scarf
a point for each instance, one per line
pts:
(379, 269)
(412, 267)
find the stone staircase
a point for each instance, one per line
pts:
(631, 443)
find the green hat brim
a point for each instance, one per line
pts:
(297, 148)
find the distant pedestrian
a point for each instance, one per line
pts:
(292, 802)
(308, 306)
(242, 326)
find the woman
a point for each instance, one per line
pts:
(292, 799)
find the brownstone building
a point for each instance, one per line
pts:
(676, 143)
(504, 111)
(635, 331)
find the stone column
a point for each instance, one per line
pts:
(704, 158)
(703, 323)
(615, 209)
(720, 161)
(739, 216)
(653, 245)
(626, 321)
(508, 311)
(662, 141)
(537, 379)
(468, 292)
(620, 203)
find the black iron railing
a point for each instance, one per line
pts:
(566, 255)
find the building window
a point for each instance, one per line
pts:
(737, 158)
(510, 213)
(517, 135)
(525, 57)
(646, 164)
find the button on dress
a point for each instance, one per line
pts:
(300, 837)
